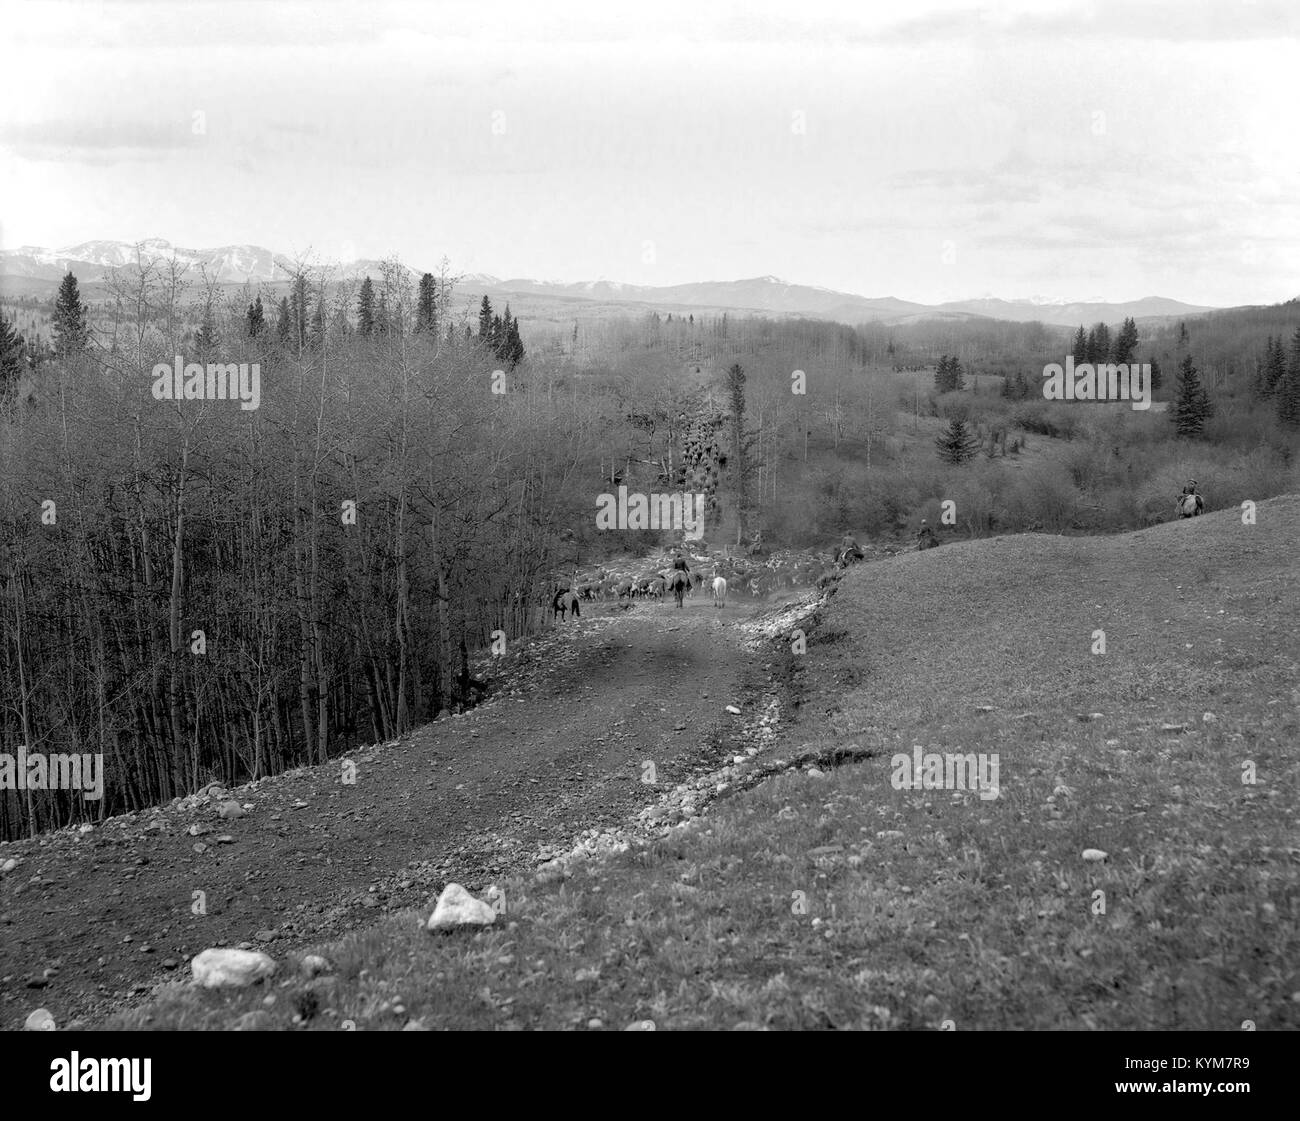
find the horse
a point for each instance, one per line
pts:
(1190, 505)
(719, 591)
(679, 582)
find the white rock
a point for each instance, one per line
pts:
(222, 968)
(456, 907)
(1093, 855)
(9, 865)
(40, 1020)
(1208, 718)
(230, 810)
(733, 710)
(738, 758)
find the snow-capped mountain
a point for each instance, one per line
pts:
(226, 264)
(35, 269)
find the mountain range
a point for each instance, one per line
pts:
(33, 270)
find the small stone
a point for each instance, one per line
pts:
(733, 710)
(40, 1020)
(595, 1024)
(1093, 855)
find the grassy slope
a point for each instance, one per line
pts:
(978, 912)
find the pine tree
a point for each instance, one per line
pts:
(496, 334)
(1125, 343)
(1080, 348)
(1276, 367)
(70, 331)
(958, 444)
(1288, 390)
(514, 345)
(426, 307)
(283, 323)
(12, 358)
(298, 305)
(206, 339)
(1191, 407)
(382, 325)
(366, 309)
(256, 317)
(1182, 335)
(1157, 378)
(485, 320)
(948, 376)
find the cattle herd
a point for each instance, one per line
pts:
(651, 579)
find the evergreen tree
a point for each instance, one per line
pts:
(1125, 343)
(1182, 335)
(12, 358)
(283, 324)
(206, 339)
(382, 325)
(496, 334)
(1288, 390)
(485, 320)
(1191, 407)
(366, 309)
(70, 331)
(1080, 348)
(1102, 343)
(298, 305)
(1276, 367)
(958, 444)
(426, 307)
(514, 345)
(948, 376)
(256, 317)
(1157, 378)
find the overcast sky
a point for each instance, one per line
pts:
(919, 149)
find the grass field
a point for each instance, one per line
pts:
(837, 901)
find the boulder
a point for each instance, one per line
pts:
(220, 968)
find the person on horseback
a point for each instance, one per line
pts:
(1191, 502)
(850, 551)
(925, 536)
(679, 584)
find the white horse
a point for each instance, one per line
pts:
(719, 591)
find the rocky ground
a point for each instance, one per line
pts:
(611, 727)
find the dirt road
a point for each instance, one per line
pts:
(90, 922)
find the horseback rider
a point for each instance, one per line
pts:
(925, 536)
(680, 565)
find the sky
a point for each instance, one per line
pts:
(930, 150)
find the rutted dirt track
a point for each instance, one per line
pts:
(89, 922)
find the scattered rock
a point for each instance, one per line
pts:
(215, 969)
(641, 1025)
(230, 811)
(313, 965)
(1093, 855)
(456, 907)
(733, 710)
(40, 1020)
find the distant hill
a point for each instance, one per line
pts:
(33, 270)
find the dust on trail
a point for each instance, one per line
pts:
(90, 922)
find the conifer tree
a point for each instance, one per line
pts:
(958, 443)
(1080, 348)
(71, 333)
(426, 307)
(1157, 378)
(283, 323)
(1191, 407)
(1125, 343)
(1288, 390)
(256, 318)
(366, 309)
(12, 358)
(485, 320)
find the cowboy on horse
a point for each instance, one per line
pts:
(680, 579)
(1190, 503)
(925, 536)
